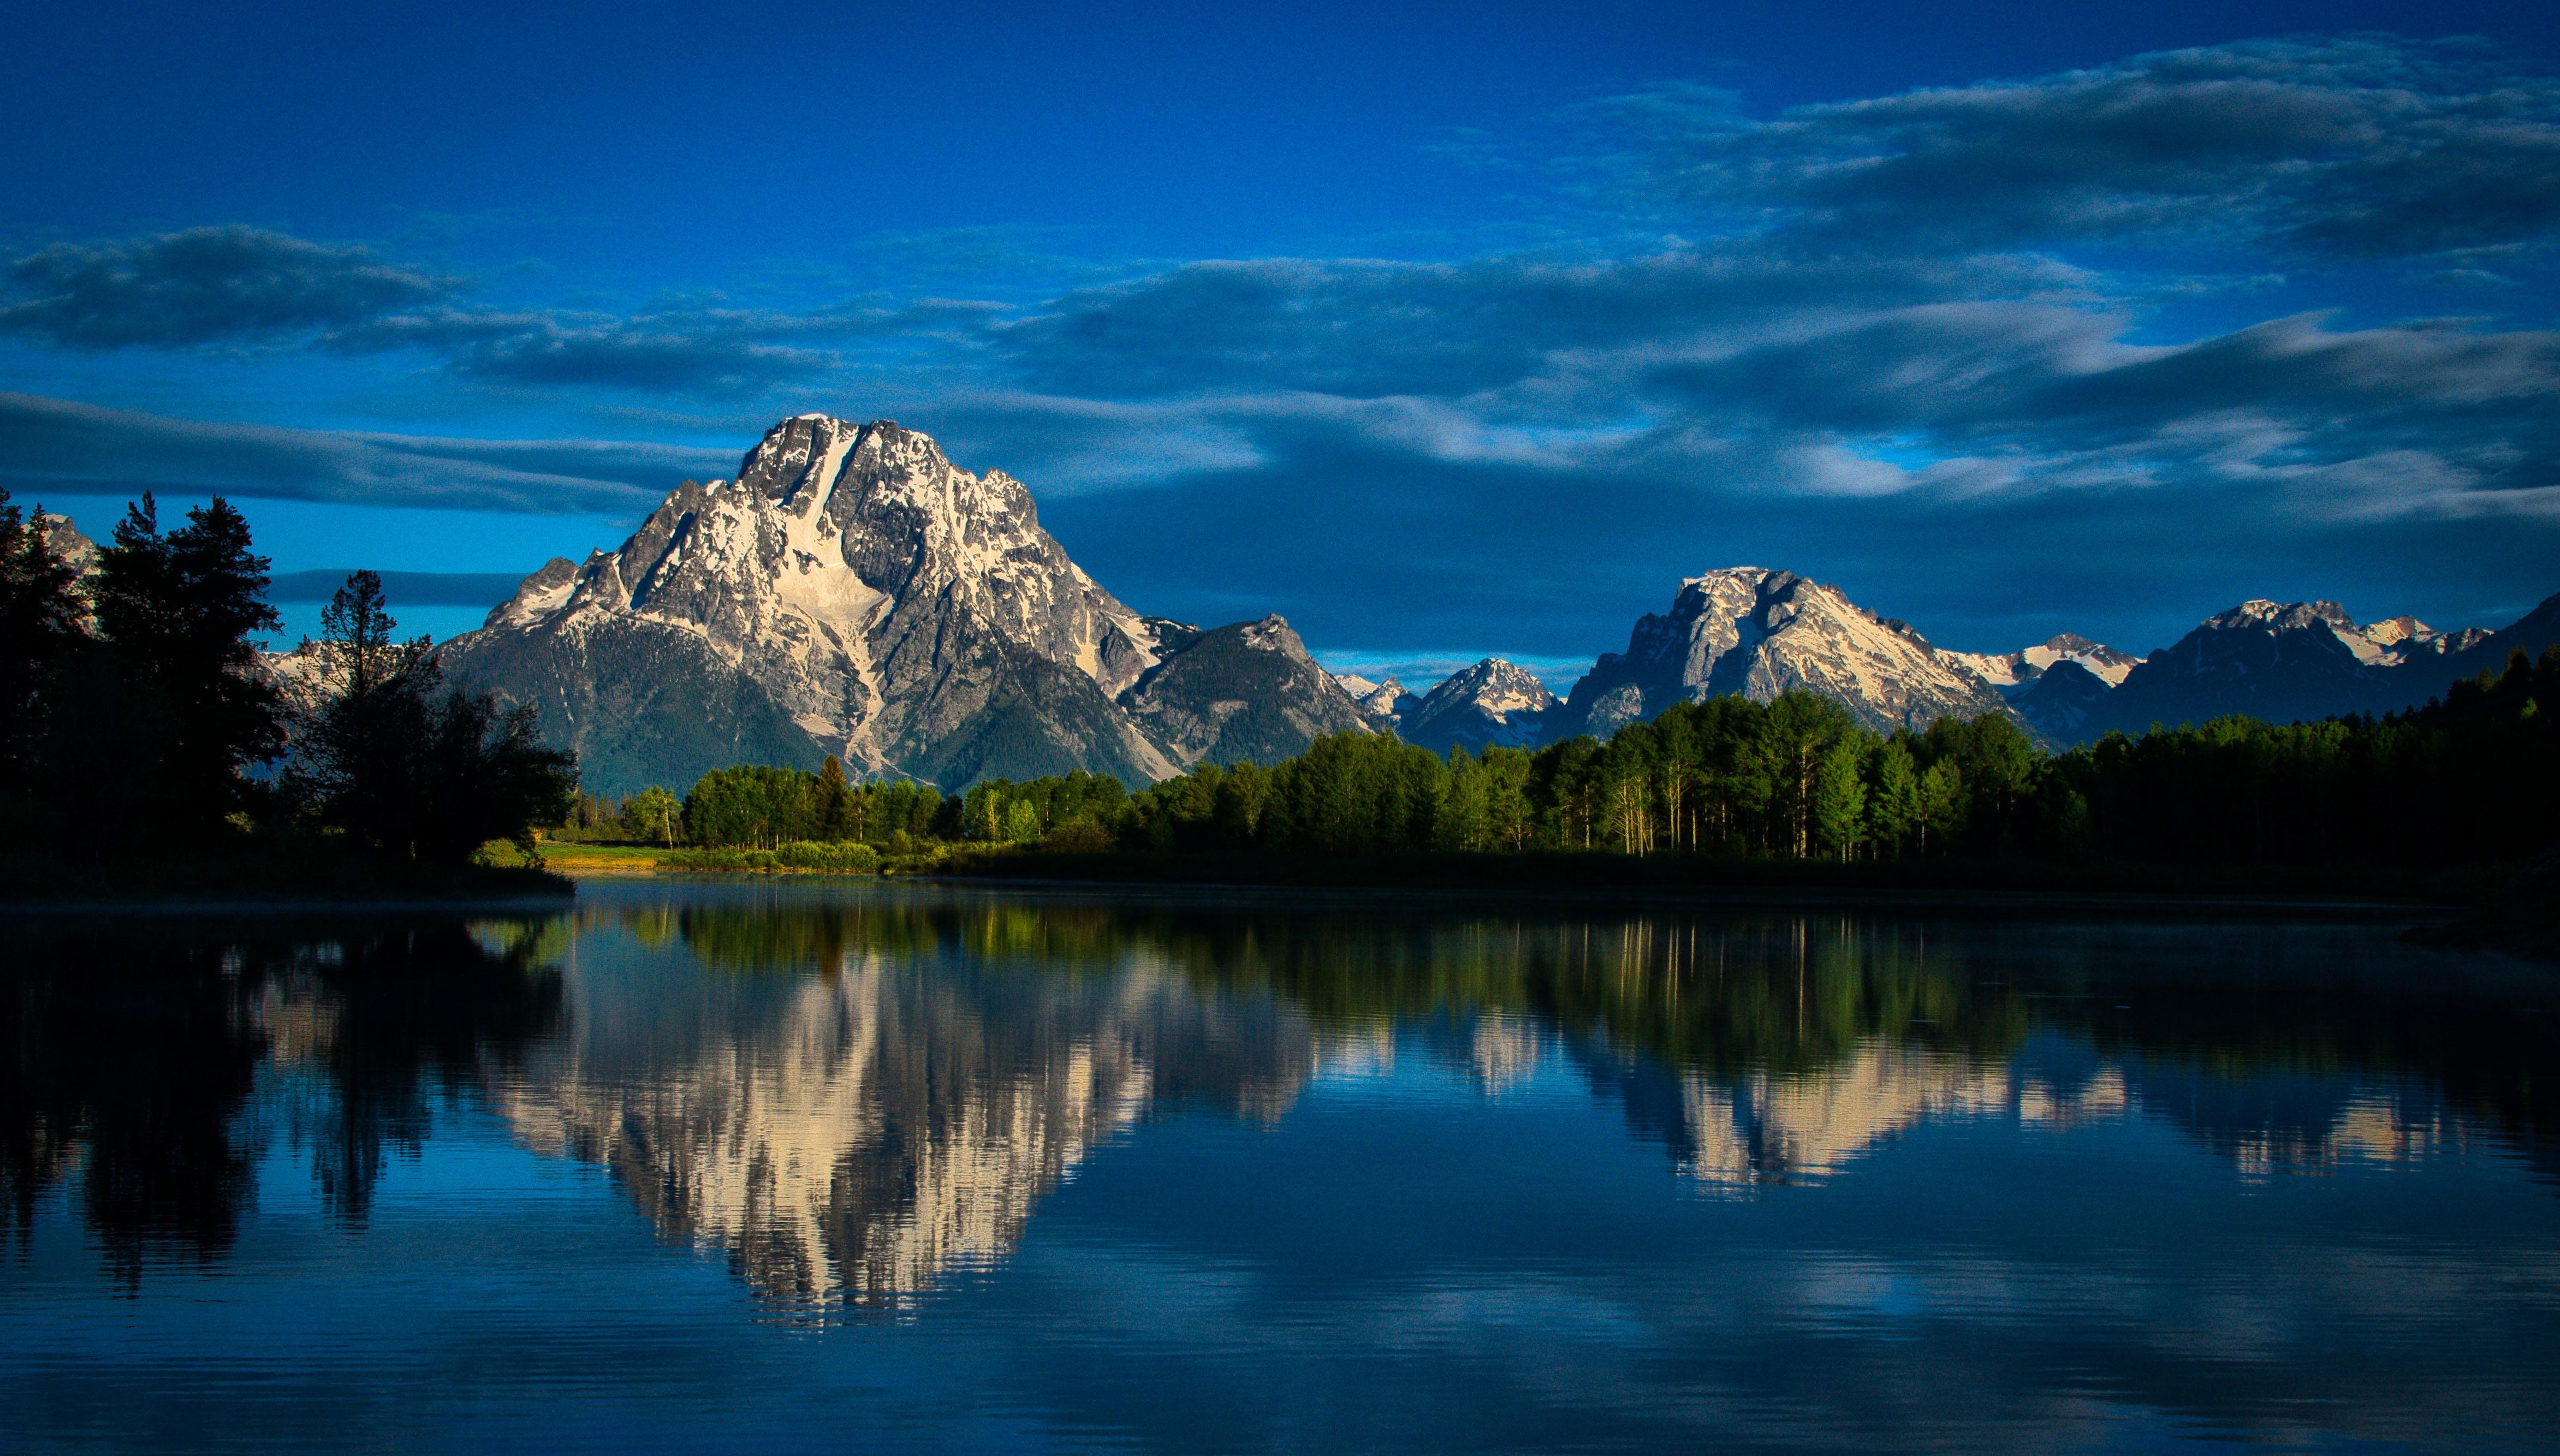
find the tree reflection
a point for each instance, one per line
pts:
(129, 1069)
(136, 1054)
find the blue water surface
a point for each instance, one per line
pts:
(896, 1166)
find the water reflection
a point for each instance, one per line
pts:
(140, 1054)
(850, 1095)
(856, 1130)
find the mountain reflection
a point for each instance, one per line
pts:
(855, 1134)
(853, 1095)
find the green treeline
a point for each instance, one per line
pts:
(137, 716)
(2474, 778)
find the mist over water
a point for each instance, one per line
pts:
(926, 1168)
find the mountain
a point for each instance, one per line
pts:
(2058, 702)
(1759, 632)
(852, 592)
(76, 550)
(2012, 672)
(2532, 634)
(1246, 692)
(2289, 662)
(1495, 703)
(1388, 700)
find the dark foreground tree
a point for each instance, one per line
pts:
(404, 768)
(174, 615)
(40, 622)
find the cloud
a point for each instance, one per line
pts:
(2347, 148)
(706, 350)
(232, 285)
(59, 446)
(1371, 328)
(206, 285)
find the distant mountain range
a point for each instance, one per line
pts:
(854, 593)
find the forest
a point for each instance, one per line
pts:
(2471, 779)
(139, 726)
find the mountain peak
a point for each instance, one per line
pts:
(1493, 702)
(1761, 632)
(854, 593)
(2259, 613)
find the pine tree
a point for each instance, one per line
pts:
(1839, 795)
(1893, 809)
(832, 803)
(176, 611)
(357, 756)
(40, 620)
(402, 772)
(1942, 792)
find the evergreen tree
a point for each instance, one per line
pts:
(832, 803)
(356, 757)
(402, 772)
(1893, 808)
(1839, 796)
(1942, 793)
(176, 611)
(40, 622)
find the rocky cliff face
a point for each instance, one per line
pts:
(1493, 703)
(851, 591)
(1759, 632)
(1242, 693)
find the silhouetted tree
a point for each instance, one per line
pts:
(403, 770)
(40, 622)
(175, 611)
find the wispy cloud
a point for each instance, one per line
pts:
(65, 447)
(2362, 147)
(206, 285)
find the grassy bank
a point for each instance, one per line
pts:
(1575, 874)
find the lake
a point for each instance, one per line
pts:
(866, 1165)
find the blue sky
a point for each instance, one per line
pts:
(1442, 330)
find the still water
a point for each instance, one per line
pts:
(888, 1167)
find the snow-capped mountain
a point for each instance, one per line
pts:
(1388, 700)
(1759, 632)
(1493, 703)
(76, 550)
(2014, 671)
(2286, 663)
(852, 592)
